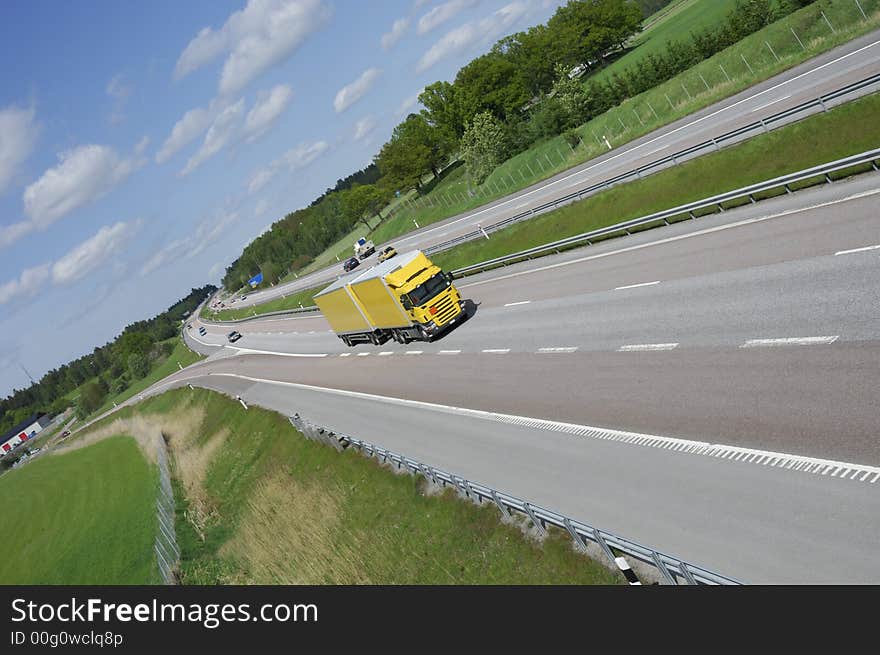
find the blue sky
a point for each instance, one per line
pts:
(143, 145)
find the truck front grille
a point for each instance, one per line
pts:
(446, 309)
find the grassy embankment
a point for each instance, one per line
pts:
(303, 298)
(84, 517)
(258, 503)
(680, 96)
(845, 130)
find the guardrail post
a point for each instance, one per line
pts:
(538, 524)
(686, 572)
(581, 546)
(597, 536)
(501, 506)
(661, 566)
(241, 400)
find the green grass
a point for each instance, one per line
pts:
(160, 370)
(679, 97)
(676, 25)
(304, 298)
(845, 130)
(278, 508)
(85, 517)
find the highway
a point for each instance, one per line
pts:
(756, 330)
(848, 63)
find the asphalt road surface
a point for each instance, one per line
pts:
(756, 331)
(848, 63)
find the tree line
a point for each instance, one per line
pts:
(110, 368)
(524, 90)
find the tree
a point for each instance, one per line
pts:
(131, 342)
(138, 366)
(364, 200)
(482, 146)
(490, 83)
(402, 164)
(442, 109)
(91, 397)
(584, 30)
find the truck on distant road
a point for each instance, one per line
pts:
(363, 248)
(407, 298)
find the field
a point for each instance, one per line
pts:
(725, 74)
(845, 130)
(84, 517)
(677, 22)
(258, 503)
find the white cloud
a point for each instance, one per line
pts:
(293, 160)
(18, 135)
(442, 13)
(120, 92)
(222, 131)
(467, 35)
(351, 93)
(187, 129)
(263, 34)
(216, 271)
(304, 154)
(266, 111)
(92, 252)
(83, 175)
(209, 230)
(29, 282)
(170, 252)
(398, 29)
(206, 233)
(9, 234)
(141, 146)
(363, 128)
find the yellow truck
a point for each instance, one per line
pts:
(406, 298)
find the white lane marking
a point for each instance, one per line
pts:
(642, 145)
(680, 237)
(363, 354)
(865, 249)
(563, 349)
(497, 351)
(641, 284)
(448, 352)
(790, 341)
(772, 102)
(253, 351)
(514, 304)
(638, 347)
(413, 352)
(345, 354)
(801, 463)
(385, 353)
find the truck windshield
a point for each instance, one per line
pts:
(428, 289)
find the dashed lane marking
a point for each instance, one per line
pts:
(563, 349)
(497, 351)
(640, 284)
(449, 352)
(854, 250)
(514, 304)
(790, 341)
(638, 347)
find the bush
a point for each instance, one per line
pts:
(118, 385)
(483, 146)
(572, 137)
(138, 366)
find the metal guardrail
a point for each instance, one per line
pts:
(672, 569)
(673, 159)
(280, 312)
(717, 201)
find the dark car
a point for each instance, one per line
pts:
(351, 264)
(233, 336)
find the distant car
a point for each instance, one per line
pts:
(65, 434)
(243, 298)
(351, 264)
(202, 330)
(233, 336)
(387, 253)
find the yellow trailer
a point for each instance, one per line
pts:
(406, 298)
